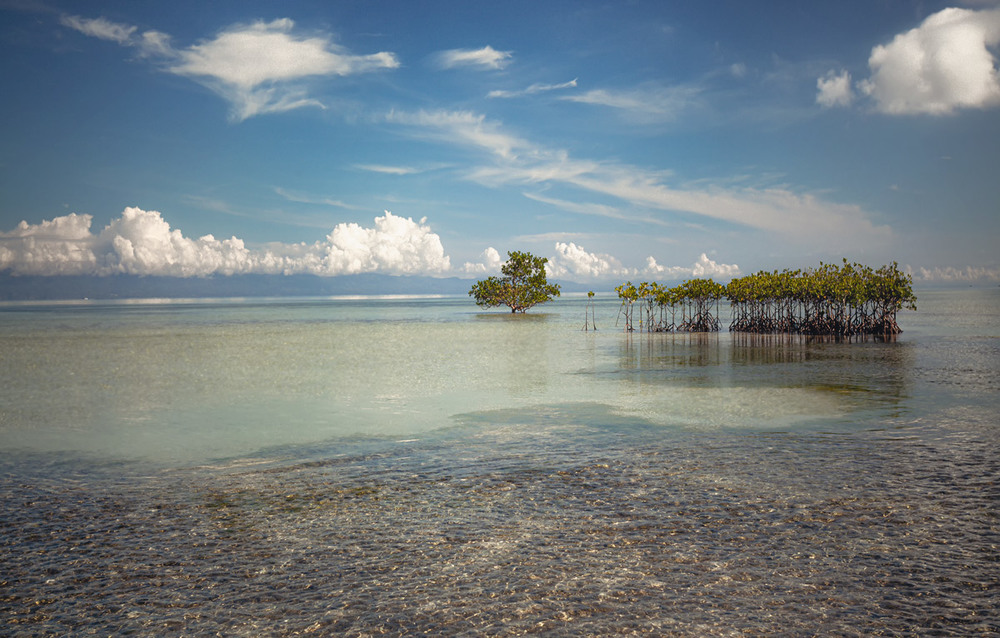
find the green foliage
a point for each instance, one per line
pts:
(844, 300)
(696, 299)
(849, 299)
(522, 285)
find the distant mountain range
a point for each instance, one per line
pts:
(28, 288)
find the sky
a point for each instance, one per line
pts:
(643, 140)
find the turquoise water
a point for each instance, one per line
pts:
(403, 465)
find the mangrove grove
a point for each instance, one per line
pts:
(832, 300)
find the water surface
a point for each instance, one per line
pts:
(361, 466)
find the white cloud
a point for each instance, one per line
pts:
(61, 246)
(149, 43)
(703, 268)
(396, 245)
(388, 170)
(155, 43)
(100, 28)
(594, 209)
(489, 262)
(486, 57)
(952, 274)
(834, 89)
(258, 68)
(142, 243)
(574, 262)
(806, 218)
(943, 65)
(465, 127)
(531, 90)
(649, 103)
(306, 199)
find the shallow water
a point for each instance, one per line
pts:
(404, 466)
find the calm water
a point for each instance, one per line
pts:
(403, 466)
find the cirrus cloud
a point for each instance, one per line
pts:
(645, 104)
(806, 217)
(532, 90)
(101, 28)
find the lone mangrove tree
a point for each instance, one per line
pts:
(522, 285)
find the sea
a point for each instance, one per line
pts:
(415, 465)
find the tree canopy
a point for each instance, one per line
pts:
(845, 300)
(522, 285)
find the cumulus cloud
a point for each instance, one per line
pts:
(258, 68)
(702, 268)
(61, 246)
(489, 262)
(573, 262)
(486, 58)
(834, 89)
(396, 245)
(141, 242)
(943, 65)
(576, 263)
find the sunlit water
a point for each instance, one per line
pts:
(404, 466)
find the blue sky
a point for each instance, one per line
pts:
(622, 140)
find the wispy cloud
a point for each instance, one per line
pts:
(649, 103)
(596, 210)
(148, 43)
(806, 217)
(532, 90)
(465, 127)
(389, 170)
(101, 28)
(306, 199)
(484, 58)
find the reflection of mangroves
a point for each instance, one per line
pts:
(845, 300)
